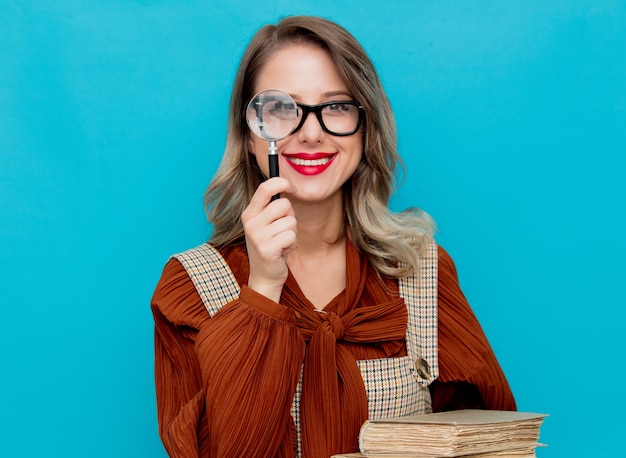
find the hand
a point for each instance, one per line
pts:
(270, 229)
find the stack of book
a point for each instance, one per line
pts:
(459, 433)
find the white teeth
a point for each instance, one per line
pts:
(309, 163)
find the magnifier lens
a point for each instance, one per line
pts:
(272, 115)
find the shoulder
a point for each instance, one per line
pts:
(206, 259)
(456, 317)
(201, 279)
(446, 264)
(176, 297)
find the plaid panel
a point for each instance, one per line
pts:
(295, 412)
(392, 388)
(420, 296)
(211, 276)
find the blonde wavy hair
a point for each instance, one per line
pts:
(393, 242)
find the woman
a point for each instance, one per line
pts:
(308, 314)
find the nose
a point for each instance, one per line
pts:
(311, 130)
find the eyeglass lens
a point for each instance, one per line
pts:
(339, 118)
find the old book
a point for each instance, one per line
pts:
(476, 433)
(517, 453)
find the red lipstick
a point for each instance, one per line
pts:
(310, 163)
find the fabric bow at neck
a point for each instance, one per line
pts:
(334, 402)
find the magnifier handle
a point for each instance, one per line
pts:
(273, 162)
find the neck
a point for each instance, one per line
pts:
(320, 224)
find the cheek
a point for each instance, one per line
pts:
(252, 143)
(356, 148)
(258, 149)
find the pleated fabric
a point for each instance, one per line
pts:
(225, 385)
(469, 373)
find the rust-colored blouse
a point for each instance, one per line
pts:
(225, 384)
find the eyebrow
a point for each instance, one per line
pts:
(334, 93)
(327, 94)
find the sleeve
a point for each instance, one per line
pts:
(225, 384)
(250, 358)
(469, 373)
(179, 391)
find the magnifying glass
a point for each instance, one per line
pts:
(272, 115)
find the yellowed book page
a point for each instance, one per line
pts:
(521, 453)
(464, 417)
(452, 434)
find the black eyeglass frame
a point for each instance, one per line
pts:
(317, 109)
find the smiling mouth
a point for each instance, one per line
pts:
(309, 162)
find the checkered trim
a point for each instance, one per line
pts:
(394, 386)
(421, 299)
(295, 411)
(211, 276)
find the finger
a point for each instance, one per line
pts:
(269, 188)
(258, 214)
(286, 240)
(285, 224)
(255, 219)
(274, 248)
(264, 237)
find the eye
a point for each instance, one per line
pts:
(338, 107)
(280, 108)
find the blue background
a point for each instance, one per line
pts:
(512, 121)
